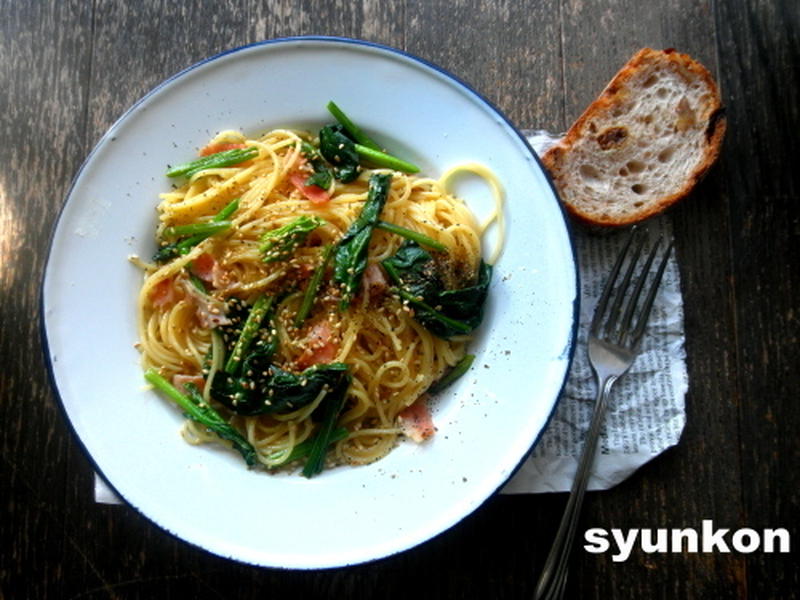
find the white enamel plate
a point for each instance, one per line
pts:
(487, 422)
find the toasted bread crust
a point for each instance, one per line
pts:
(617, 92)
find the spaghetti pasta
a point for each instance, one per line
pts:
(261, 232)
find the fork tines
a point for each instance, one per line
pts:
(628, 314)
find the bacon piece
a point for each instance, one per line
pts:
(221, 147)
(374, 282)
(164, 293)
(203, 266)
(321, 345)
(179, 381)
(416, 421)
(316, 194)
(209, 270)
(210, 311)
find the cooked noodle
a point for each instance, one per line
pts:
(391, 357)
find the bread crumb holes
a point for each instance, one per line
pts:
(665, 155)
(635, 166)
(650, 81)
(589, 172)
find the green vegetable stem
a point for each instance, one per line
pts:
(460, 368)
(200, 231)
(332, 407)
(226, 158)
(196, 409)
(280, 244)
(303, 449)
(352, 129)
(313, 286)
(249, 330)
(420, 238)
(381, 159)
(363, 146)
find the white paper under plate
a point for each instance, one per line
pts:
(487, 421)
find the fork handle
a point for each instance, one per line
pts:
(554, 574)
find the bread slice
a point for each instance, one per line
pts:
(643, 144)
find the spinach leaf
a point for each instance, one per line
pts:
(414, 269)
(291, 391)
(322, 176)
(265, 388)
(167, 252)
(321, 179)
(434, 320)
(340, 151)
(445, 313)
(466, 304)
(250, 384)
(350, 260)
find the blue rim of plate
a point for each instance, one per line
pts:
(569, 348)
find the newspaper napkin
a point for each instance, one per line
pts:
(645, 414)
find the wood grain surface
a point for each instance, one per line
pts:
(69, 69)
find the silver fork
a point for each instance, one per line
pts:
(615, 335)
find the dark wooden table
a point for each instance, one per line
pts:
(70, 68)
